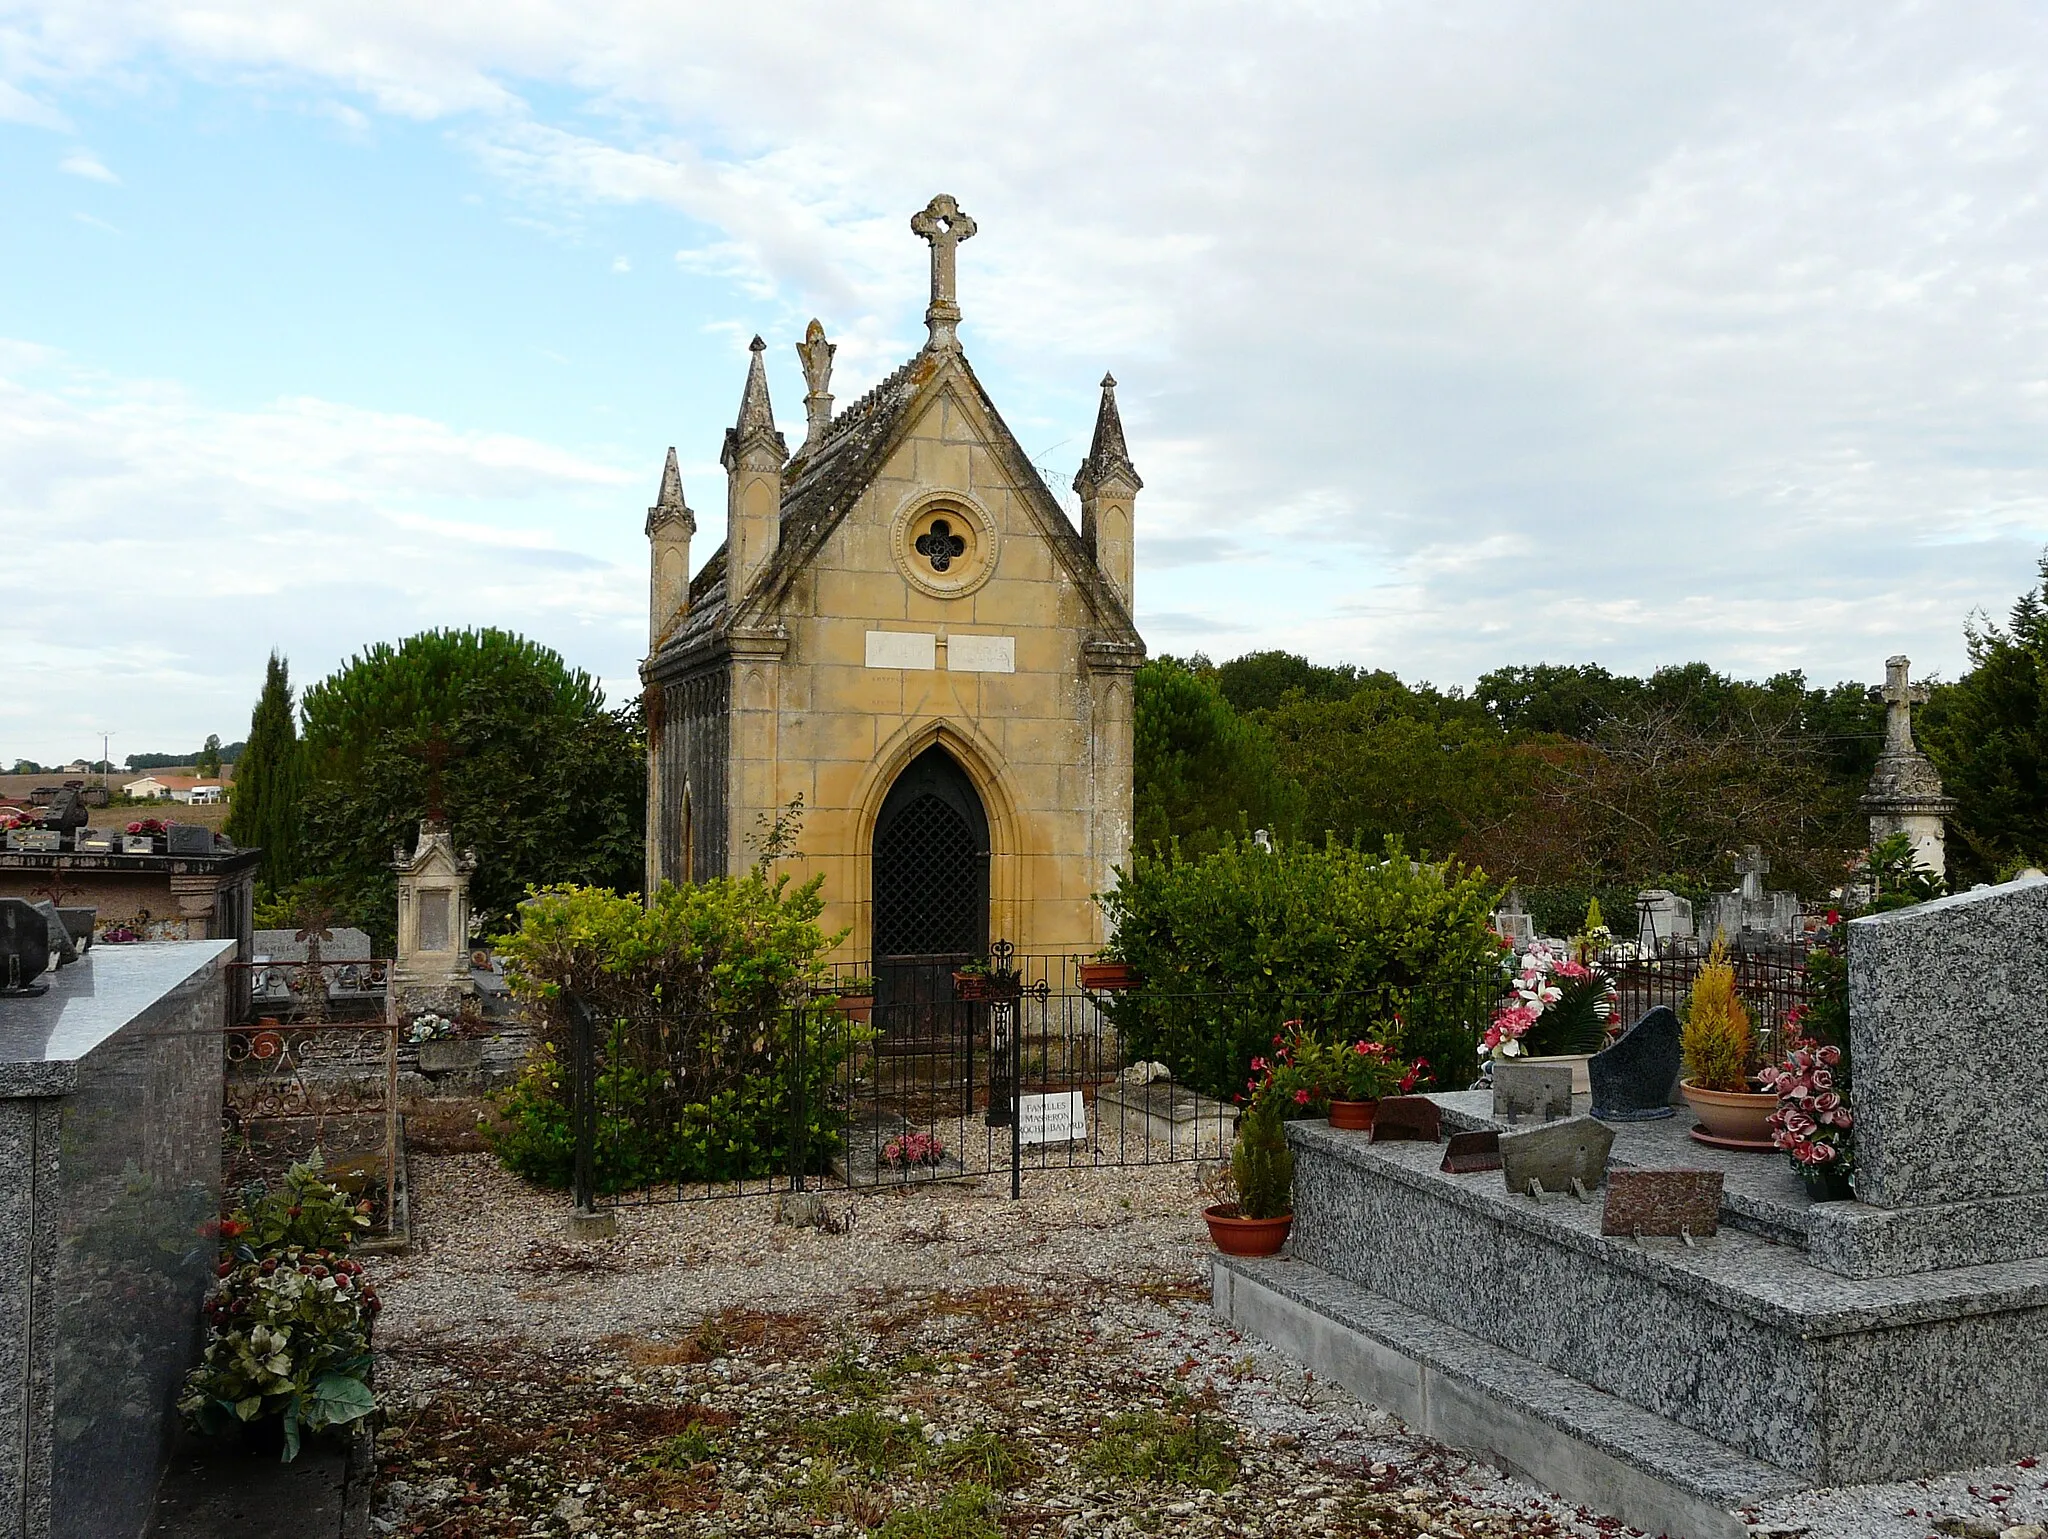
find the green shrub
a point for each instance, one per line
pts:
(1236, 943)
(709, 1031)
(307, 1214)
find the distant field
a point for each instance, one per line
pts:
(18, 787)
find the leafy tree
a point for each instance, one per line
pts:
(1570, 700)
(270, 781)
(492, 732)
(208, 762)
(1261, 679)
(26, 767)
(1202, 771)
(1988, 735)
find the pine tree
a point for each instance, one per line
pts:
(270, 780)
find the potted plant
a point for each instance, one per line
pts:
(1105, 974)
(1558, 1006)
(1262, 1176)
(1734, 1112)
(856, 998)
(970, 982)
(1346, 1079)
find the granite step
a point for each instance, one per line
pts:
(1571, 1439)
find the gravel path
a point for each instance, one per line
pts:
(949, 1366)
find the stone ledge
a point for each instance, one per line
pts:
(1762, 1196)
(1649, 1472)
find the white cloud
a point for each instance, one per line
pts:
(82, 162)
(158, 548)
(1450, 335)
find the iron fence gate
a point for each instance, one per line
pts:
(935, 1073)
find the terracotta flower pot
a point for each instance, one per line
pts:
(1108, 977)
(1236, 1236)
(1737, 1118)
(1353, 1116)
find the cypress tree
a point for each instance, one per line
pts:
(270, 780)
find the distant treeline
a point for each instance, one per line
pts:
(229, 754)
(1578, 781)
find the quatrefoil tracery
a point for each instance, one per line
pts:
(941, 545)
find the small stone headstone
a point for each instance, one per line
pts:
(1409, 1117)
(1662, 1202)
(1635, 1078)
(189, 839)
(1540, 1092)
(1556, 1154)
(1467, 1152)
(63, 949)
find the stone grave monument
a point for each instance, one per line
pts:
(1905, 794)
(1664, 922)
(1752, 914)
(431, 971)
(1674, 1381)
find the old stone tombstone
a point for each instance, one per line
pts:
(1662, 917)
(1542, 1091)
(1556, 1155)
(1410, 1117)
(1468, 1152)
(1662, 1202)
(1947, 1002)
(1513, 924)
(1635, 1078)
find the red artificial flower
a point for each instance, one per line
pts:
(1301, 1098)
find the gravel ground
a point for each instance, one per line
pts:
(949, 1365)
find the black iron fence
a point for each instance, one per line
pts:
(933, 1071)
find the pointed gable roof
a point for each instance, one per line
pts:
(821, 485)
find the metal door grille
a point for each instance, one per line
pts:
(927, 883)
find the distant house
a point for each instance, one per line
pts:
(174, 788)
(78, 767)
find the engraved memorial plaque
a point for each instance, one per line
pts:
(1556, 1154)
(1532, 1092)
(1662, 1202)
(1468, 1152)
(1401, 1117)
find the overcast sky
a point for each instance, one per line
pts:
(1449, 335)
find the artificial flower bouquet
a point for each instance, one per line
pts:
(1557, 1002)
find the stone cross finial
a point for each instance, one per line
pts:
(1752, 868)
(815, 353)
(943, 224)
(1900, 696)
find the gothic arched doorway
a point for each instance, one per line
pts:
(930, 882)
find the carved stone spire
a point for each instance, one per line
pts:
(815, 353)
(1107, 455)
(756, 415)
(943, 224)
(669, 506)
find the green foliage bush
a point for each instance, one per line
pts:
(1235, 943)
(709, 1032)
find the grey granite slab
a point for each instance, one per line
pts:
(42, 1039)
(1687, 1462)
(1948, 1001)
(1738, 1338)
(1636, 1079)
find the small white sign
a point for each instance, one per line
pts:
(1052, 1119)
(981, 654)
(903, 649)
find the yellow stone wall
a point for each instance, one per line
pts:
(1047, 746)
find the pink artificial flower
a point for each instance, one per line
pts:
(1822, 1153)
(1842, 1117)
(1830, 1056)
(1826, 1101)
(1821, 1079)
(1258, 1064)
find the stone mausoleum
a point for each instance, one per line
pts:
(904, 628)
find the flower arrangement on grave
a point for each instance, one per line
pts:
(914, 1151)
(156, 828)
(429, 1027)
(1813, 1123)
(1344, 1078)
(288, 1318)
(1557, 1002)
